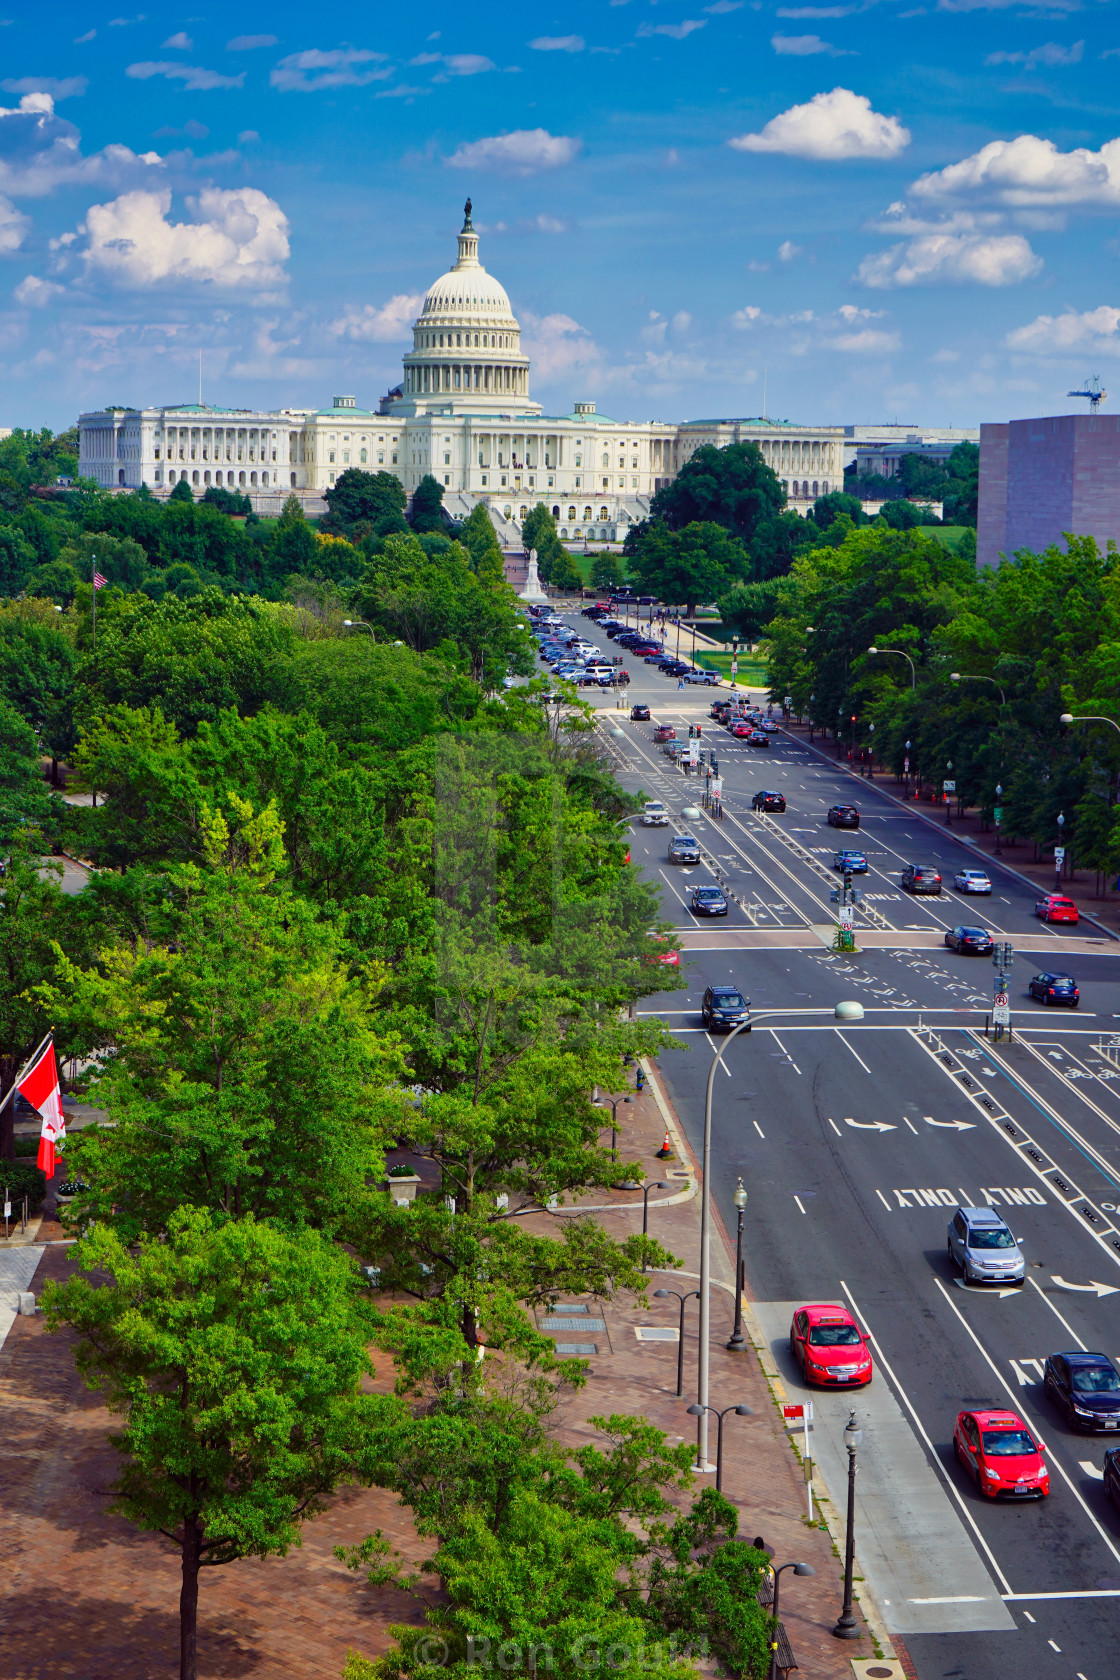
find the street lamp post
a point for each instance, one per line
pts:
(948, 796)
(661, 1295)
(738, 1340)
(601, 1102)
(1059, 856)
(898, 653)
(998, 815)
(853, 751)
(906, 768)
(657, 1184)
(971, 676)
(847, 1627)
(871, 752)
(812, 697)
(359, 624)
(798, 1569)
(740, 1411)
(839, 732)
(1067, 718)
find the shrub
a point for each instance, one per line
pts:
(21, 1179)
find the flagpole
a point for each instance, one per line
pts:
(4, 1100)
(93, 564)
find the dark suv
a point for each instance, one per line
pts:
(843, 816)
(921, 878)
(726, 1007)
(767, 801)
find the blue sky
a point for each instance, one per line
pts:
(876, 212)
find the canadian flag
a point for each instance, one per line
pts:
(41, 1088)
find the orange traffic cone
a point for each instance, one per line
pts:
(665, 1153)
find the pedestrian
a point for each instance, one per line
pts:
(680, 682)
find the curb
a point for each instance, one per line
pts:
(1007, 869)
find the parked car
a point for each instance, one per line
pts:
(684, 848)
(921, 878)
(1056, 908)
(983, 1247)
(639, 714)
(768, 801)
(843, 816)
(1054, 988)
(707, 901)
(654, 815)
(972, 941)
(830, 1347)
(664, 732)
(1002, 1455)
(1086, 1388)
(852, 863)
(972, 881)
(724, 1006)
(707, 679)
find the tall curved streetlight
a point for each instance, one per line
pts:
(974, 676)
(1067, 718)
(359, 624)
(844, 1011)
(898, 653)
(798, 1569)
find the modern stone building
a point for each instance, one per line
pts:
(462, 412)
(1040, 479)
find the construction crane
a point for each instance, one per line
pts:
(1093, 390)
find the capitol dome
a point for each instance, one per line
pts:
(466, 341)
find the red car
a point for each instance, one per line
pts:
(830, 1347)
(664, 732)
(1055, 908)
(671, 959)
(741, 731)
(1002, 1455)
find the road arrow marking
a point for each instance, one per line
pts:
(957, 1125)
(1020, 1375)
(1097, 1289)
(974, 1289)
(1091, 1470)
(869, 1125)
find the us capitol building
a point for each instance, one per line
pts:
(463, 413)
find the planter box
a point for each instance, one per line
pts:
(403, 1189)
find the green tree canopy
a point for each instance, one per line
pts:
(698, 563)
(357, 497)
(426, 510)
(732, 487)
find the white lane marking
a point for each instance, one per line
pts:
(911, 1124)
(784, 1051)
(855, 1053)
(797, 1199)
(835, 1127)
(963, 1599)
(1054, 1647)
(1013, 1397)
(1028, 1617)
(722, 1063)
(1033, 1598)
(1065, 1325)
(935, 1459)
(759, 1129)
(957, 1125)
(884, 1201)
(1097, 1289)
(869, 1125)
(1091, 1470)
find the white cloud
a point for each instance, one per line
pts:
(65, 87)
(80, 40)
(315, 68)
(806, 46)
(34, 293)
(456, 64)
(387, 325)
(248, 137)
(521, 153)
(835, 125)
(558, 43)
(871, 341)
(787, 250)
(1095, 331)
(181, 41)
(40, 151)
(1047, 7)
(1027, 172)
(814, 11)
(558, 345)
(1050, 54)
(746, 317)
(235, 239)
(249, 43)
(192, 76)
(13, 226)
(675, 31)
(943, 258)
(722, 7)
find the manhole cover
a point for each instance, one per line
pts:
(878, 1673)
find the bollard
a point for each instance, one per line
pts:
(25, 1301)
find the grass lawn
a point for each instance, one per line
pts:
(752, 673)
(947, 535)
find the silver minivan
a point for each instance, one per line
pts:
(983, 1247)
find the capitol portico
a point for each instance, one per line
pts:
(463, 413)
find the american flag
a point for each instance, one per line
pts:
(99, 582)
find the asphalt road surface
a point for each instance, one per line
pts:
(857, 1143)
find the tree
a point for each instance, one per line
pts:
(56, 581)
(426, 512)
(606, 572)
(118, 559)
(539, 531)
(233, 1353)
(24, 800)
(478, 538)
(291, 544)
(358, 496)
(36, 914)
(182, 492)
(227, 501)
(17, 558)
(696, 564)
(777, 542)
(963, 486)
(732, 487)
(563, 573)
(826, 508)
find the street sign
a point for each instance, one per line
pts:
(948, 787)
(789, 700)
(734, 666)
(694, 751)
(906, 766)
(1001, 1011)
(847, 917)
(717, 787)
(800, 1413)
(998, 813)
(1059, 854)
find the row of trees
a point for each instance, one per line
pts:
(1029, 640)
(955, 484)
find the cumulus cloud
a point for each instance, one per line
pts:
(746, 317)
(806, 46)
(721, 7)
(456, 64)
(558, 43)
(1092, 330)
(787, 250)
(235, 239)
(815, 11)
(64, 87)
(13, 226)
(192, 76)
(938, 259)
(871, 341)
(40, 151)
(1027, 172)
(832, 126)
(1050, 54)
(385, 325)
(1048, 7)
(182, 41)
(315, 68)
(522, 152)
(34, 293)
(249, 43)
(558, 345)
(675, 31)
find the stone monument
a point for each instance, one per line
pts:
(532, 590)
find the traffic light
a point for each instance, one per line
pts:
(692, 732)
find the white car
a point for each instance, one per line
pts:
(655, 815)
(972, 881)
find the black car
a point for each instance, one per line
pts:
(707, 901)
(639, 714)
(758, 739)
(675, 668)
(1054, 988)
(921, 878)
(843, 816)
(969, 939)
(768, 801)
(1086, 1387)
(684, 848)
(726, 1007)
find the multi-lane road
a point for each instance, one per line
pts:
(857, 1143)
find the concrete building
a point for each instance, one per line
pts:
(1042, 478)
(878, 449)
(462, 412)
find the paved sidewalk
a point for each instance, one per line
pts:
(85, 1595)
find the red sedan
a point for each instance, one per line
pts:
(741, 731)
(1055, 908)
(1002, 1455)
(671, 958)
(830, 1347)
